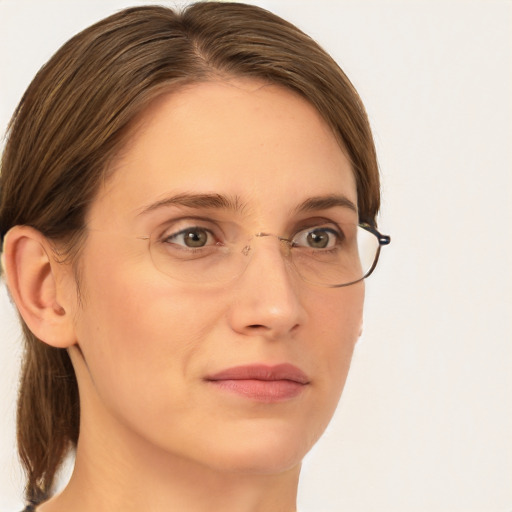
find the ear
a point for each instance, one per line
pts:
(36, 281)
(360, 330)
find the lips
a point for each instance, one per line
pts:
(261, 382)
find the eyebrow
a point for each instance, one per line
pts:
(206, 201)
(326, 202)
(222, 202)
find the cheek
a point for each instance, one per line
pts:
(338, 316)
(139, 338)
(338, 322)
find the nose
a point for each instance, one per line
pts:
(268, 301)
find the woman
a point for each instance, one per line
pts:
(187, 209)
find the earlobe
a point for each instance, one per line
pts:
(360, 330)
(31, 274)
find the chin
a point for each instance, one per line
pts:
(251, 462)
(265, 451)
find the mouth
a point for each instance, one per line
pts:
(261, 383)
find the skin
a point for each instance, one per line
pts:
(154, 434)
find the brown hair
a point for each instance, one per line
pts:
(74, 118)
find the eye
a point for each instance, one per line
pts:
(191, 237)
(318, 238)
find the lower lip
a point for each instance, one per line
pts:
(262, 390)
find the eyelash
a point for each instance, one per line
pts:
(337, 232)
(166, 238)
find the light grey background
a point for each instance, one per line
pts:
(425, 423)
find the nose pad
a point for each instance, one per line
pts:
(284, 247)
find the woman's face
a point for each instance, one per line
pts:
(163, 354)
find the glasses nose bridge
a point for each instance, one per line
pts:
(284, 247)
(284, 243)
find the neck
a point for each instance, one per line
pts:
(115, 469)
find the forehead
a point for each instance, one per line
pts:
(261, 143)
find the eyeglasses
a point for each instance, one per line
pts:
(328, 254)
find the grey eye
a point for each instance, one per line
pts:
(190, 237)
(317, 238)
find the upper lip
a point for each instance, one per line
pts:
(283, 371)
